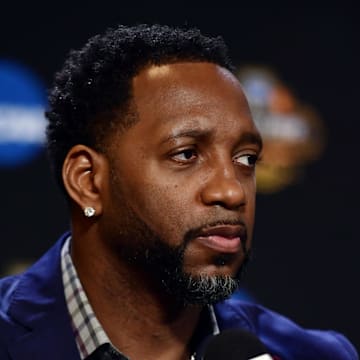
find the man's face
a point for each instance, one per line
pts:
(181, 194)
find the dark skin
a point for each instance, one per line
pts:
(186, 163)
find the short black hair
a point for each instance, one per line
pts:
(94, 84)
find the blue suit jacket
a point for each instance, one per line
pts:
(35, 325)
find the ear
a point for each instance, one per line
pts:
(84, 173)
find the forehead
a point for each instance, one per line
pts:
(190, 94)
(184, 83)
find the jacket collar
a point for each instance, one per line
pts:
(38, 306)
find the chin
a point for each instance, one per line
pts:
(220, 265)
(213, 271)
(207, 289)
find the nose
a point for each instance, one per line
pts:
(224, 188)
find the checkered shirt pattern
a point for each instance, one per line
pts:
(89, 334)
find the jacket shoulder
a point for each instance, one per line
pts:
(7, 326)
(282, 336)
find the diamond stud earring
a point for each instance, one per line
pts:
(89, 211)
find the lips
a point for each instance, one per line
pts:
(223, 238)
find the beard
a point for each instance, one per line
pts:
(165, 264)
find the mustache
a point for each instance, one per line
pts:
(197, 231)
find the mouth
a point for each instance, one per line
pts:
(223, 238)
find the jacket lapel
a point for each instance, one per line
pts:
(38, 306)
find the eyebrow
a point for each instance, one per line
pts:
(251, 138)
(248, 137)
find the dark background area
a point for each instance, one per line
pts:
(306, 246)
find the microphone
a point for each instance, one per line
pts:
(233, 344)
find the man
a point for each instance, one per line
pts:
(152, 141)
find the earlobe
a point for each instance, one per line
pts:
(83, 174)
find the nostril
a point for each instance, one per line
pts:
(218, 203)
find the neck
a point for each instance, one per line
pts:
(132, 308)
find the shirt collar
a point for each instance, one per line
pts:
(88, 332)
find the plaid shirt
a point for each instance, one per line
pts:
(90, 337)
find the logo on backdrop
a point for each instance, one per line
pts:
(22, 120)
(293, 133)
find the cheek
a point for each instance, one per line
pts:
(163, 208)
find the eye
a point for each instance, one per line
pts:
(185, 156)
(248, 160)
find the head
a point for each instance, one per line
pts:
(149, 126)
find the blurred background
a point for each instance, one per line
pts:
(300, 69)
